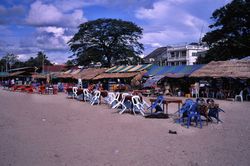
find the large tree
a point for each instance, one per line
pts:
(108, 41)
(230, 34)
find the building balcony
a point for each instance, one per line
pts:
(177, 59)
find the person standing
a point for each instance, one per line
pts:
(197, 89)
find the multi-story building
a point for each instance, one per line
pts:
(184, 55)
(157, 56)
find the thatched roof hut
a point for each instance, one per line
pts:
(88, 74)
(226, 69)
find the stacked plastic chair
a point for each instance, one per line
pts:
(96, 98)
(189, 111)
(86, 95)
(138, 105)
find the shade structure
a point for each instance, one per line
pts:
(88, 74)
(4, 74)
(130, 68)
(39, 76)
(225, 69)
(152, 81)
(67, 74)
(173, 71)
(17, 73)
(115, 75)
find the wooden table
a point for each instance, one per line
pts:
(168, 101)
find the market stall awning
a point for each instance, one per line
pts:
(226, 69)
(115, 75)
(67, 74)
(153, 70)
(4, 74)
(152, 81)
(173, 71)
(130, 68)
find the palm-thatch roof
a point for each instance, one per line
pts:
(67, 74)
(39, 76)
(88, 74)
(226, 69)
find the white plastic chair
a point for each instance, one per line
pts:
(124, 107)
(239, 96)
(121, 101)
(86, 95)
(74, 89)
(110, 97)
(115, 100)
(96, 97)
(137, 105)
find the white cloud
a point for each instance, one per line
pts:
(168, 23)
(156, 12)
(42, 14)
(52, 38)
(57, 31)
(25, 57)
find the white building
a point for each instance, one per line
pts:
(183, 55)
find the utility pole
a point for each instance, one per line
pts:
(6, 62)
(43, 63)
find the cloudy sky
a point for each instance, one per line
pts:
(29, 26)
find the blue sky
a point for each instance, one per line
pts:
(29, 26)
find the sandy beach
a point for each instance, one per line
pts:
(50, 130)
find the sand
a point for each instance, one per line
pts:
(50, 130)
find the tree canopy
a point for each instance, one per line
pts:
(108, 41)
(13, 62)
(38, 61)
(9, 60)
(230, 35)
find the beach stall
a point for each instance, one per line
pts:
(21, 75)
(119, 78)
(226, 79)
(170, 79)
(87, 75)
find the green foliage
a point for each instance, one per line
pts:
(70, 63)
(107, 41)
(38, 60)
(230, 35)
(11, 61)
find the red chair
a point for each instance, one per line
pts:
(29, 89)
(41, 89)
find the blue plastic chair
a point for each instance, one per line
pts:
(189, 111)
(157, 102)
(184, 109)
(193, 113)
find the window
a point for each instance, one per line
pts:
(183, 54)
(194, 54)
(172, 54)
